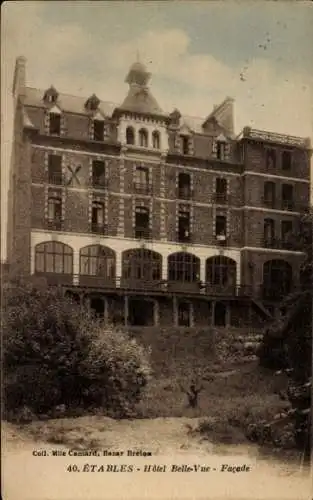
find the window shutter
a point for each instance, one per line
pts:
(47, 122)
(227, 151)
(177, 143)
(214, 149)
(191, 145)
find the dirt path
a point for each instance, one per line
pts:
(29, 477)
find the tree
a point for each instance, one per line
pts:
(287, 343)
(55, 353)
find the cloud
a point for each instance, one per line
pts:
(81, 60)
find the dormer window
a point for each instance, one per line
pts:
(185, 144)
(143, 138)
(175, 118)
(50, 96)
(92, 103)
(98, 130)
(54, 123)
(221, 148)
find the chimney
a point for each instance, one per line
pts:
(19, 80)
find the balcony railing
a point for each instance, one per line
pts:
(56, 224)
(288, 205)
(56, 179)
(220, 198)
(99, 182)
(184, 193)
(142, 233)
(184, 237)
(97, 228)
(142, 188)
(269, 202)
(279, 244)
(196, 288)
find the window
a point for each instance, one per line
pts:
(130, 136)
(184, 313)
(286, 160)
(156, 140)
(286, 233)
(185, 144)
(55, 169)
(184, 188)
(221, 272)
(98, 174)
(98, 130)
(184, 225)
(269, 194)
(54, 124)
(141, 183)
(142, 222)
(142, 264)
(97, 217)
(270, 158)
(221, 150)
(183, 267)
(143, 138)
(220, 228)
(221, 190)
(54, 213)
(277, 278)
(97, 260)
(287, 196)
(53, 257)
(269, 233)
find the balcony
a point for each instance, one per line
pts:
(99, 182)
(142, 188)
(287, 205)
(56, 179)
(184, 236)
(220, 198)
(56, 224)
(279, 244)
(97, 228)
(142, 233)
(221, 239)
(269, 203)
(184, 193)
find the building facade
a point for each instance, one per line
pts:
(154, 218)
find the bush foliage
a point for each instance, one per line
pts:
(55, 354)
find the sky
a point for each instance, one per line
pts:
(258, 52)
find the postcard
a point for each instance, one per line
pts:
(156, 250)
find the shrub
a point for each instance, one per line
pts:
(56, 355)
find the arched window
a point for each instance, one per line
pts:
(130, 135)
(143, 138)
(97, 260)
(141, 264)
(277, 278)
(221, 272)
(156, 140)
(53, 257)
(183, 267)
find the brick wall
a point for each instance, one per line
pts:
(255, 160)
(76, 211)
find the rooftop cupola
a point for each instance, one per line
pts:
(138, 75)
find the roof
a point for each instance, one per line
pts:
(141, 100)
(76, 104)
